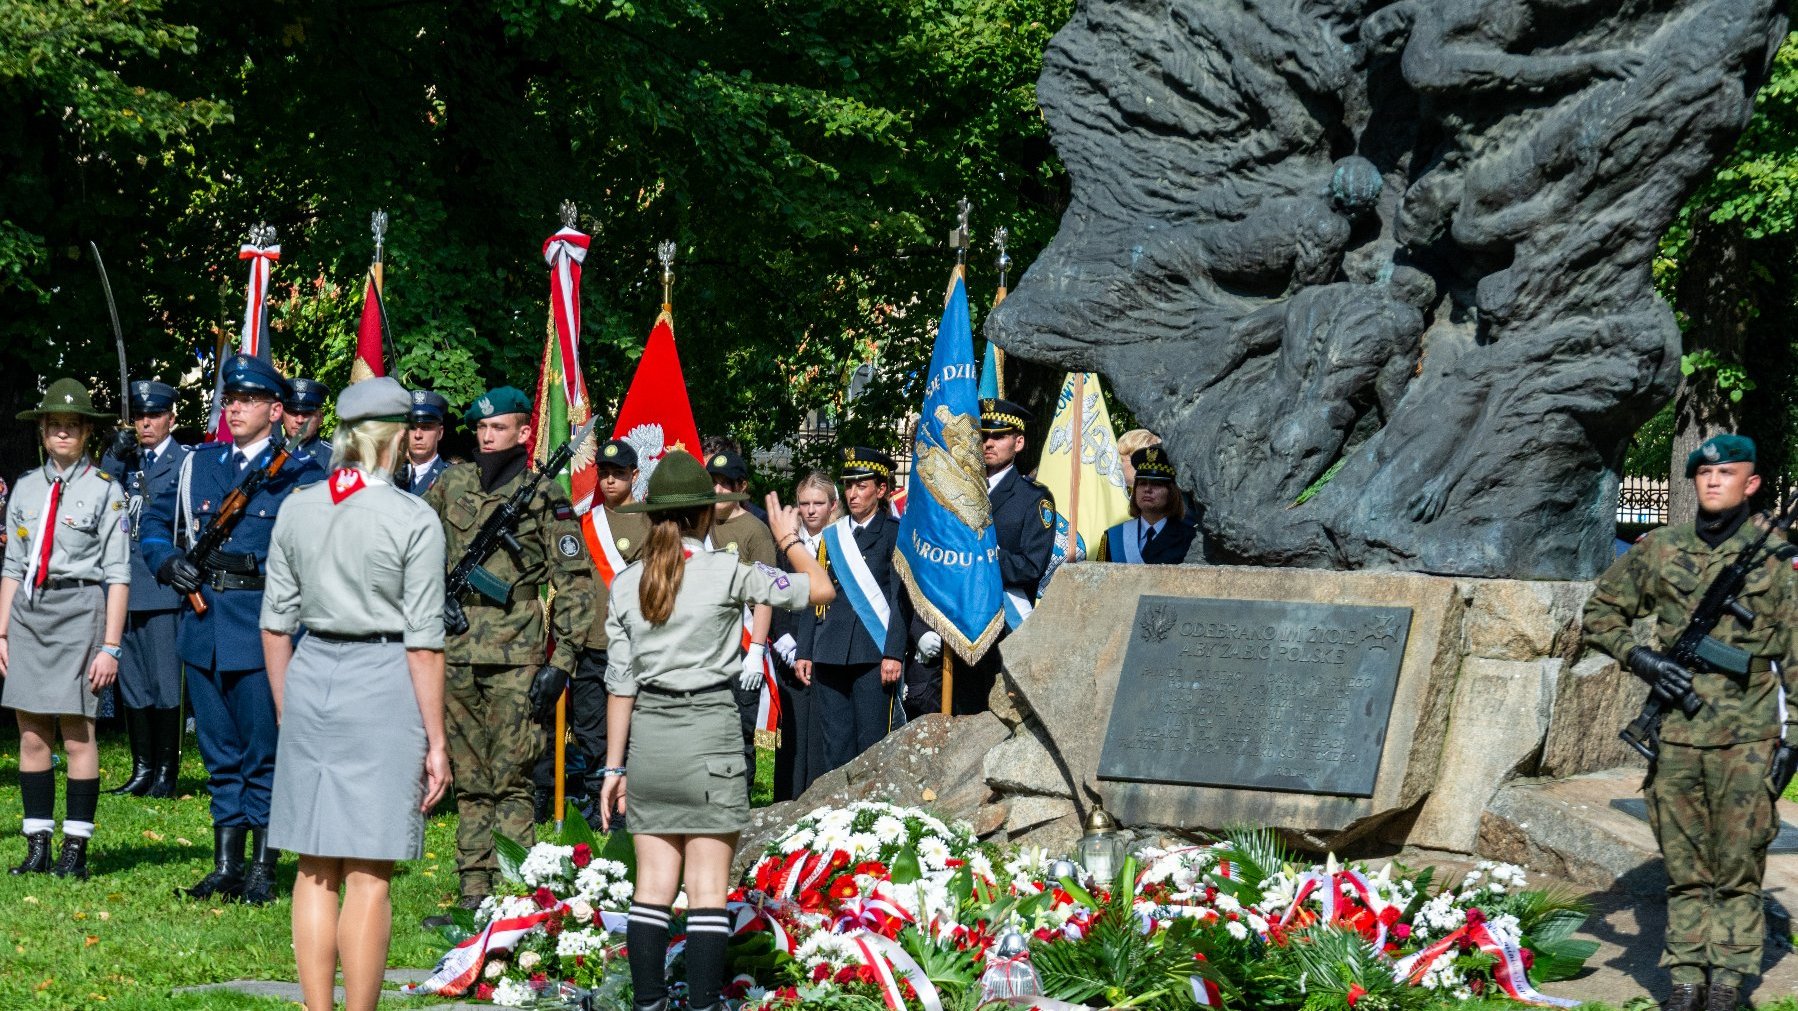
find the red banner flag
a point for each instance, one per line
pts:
(370, 359)
(657, 416)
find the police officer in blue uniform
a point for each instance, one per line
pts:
(234, 713)
(424, 434)
(302, 411)
(149, 666)
(1158, 531)
(1024, 520)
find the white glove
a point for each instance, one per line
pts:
(930, 646)
(786, 649)
(751, 678)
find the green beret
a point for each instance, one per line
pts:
(493, 403)
(1720, 449)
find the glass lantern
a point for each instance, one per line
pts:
(1102, 849)
(1008, 970)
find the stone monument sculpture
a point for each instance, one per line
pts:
(1395, 254)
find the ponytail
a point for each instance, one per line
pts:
(665, 561)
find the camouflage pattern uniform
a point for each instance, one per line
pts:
(492, 741)
(1710, 802)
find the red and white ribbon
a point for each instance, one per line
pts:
(767, 706)
(757, 906)
(460, 967)
(565, 251)
(1508, 971)
(884, 956)
(255, 312)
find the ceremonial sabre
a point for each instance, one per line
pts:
(118, 337)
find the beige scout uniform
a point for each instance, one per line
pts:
(363, 572)
(58, 626)
(686, 757)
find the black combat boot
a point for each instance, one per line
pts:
(1684, 997)
(72, 863)
(137, 725)
(165, 751)
(1723, 997)
(226, 879)
(259, 883)
(37, 855)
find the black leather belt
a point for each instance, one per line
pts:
(375, 637)
(233, 581)
(665, 693)
(69, 584)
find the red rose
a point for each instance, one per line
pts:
(1043, 934)
(736, 988)
(866, 974)
(1475, 917)
(846, 974)
(1355, 992)
(583, 854)
(1389, 915)
(544, 898)
(580, 961)
(787, 993)
(1401, 930)
(539, 978)
(821, 973)
(483, 991)
(552, 926)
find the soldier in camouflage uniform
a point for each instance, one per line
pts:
(1710, 795)
(501, 675)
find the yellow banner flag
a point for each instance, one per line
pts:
(1090, 496)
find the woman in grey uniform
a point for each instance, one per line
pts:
(674, 629)
(362, 754)
(64, 589)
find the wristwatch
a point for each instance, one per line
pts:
(111, 651)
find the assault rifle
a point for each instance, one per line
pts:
(231, 510)
(469, 572)
(1695, 651)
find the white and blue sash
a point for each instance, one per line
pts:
(858, 583)
(1123, 547)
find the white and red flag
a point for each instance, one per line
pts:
(262, 251)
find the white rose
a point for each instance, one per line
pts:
(527, 959)
(496, 967)
(582, 910)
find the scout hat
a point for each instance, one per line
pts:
(65, 396)
(305, 396)
(249, 374)
(860, 462)
(617, 453)
(1152, 464)
(680, 482)
(1000, 416)
(728, 465)
(1720, 449)
(493, 403)
(378, 399)
(151, 397)
(428, 406)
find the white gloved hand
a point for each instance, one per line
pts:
(930, 646)
(786, 649)
(751, 678)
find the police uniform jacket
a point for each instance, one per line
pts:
(839, 637)
(1024, 520)
(92, 529)
(555, 554)
(142, 486)
(318, 449)
(227, 637)
(423, 482)
(1168, 547)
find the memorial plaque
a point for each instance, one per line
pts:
(1257, 694)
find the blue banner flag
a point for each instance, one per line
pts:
(989, 373)
(948, 554)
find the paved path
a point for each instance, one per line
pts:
(291, 991)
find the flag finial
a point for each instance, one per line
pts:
(958, 238)
(1000, 236)
(569, 213)
(377, 224)
(262, 235)
(665, 253)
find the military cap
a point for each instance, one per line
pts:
(493, 403)
(378, 399)
(860, 462)
(727, 465)
(1720, 449)
(428, 406)
(306, 396)
(249, 374)
(151, 397)
(679, 482)
(65, 396)
(1152, 464)
(1003, 416)
(617, 453)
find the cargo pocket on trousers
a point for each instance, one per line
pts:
(724, 781)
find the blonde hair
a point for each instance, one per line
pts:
(1135, 439)
(362, 444)
(819, 480)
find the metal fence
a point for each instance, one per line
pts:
(1642, 500)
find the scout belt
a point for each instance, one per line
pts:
(671, 694)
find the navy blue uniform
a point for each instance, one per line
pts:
(1167, 547)
(150, 669)
(234, 714)
(851, 710)
(423, 482)
(1024, 521)
(319, 450)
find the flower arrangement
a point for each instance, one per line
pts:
(875, 905)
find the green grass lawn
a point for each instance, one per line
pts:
(123, 940)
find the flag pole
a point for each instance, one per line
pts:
(1003, 262)
(569, 214)
(1079, 433)
(958, 241)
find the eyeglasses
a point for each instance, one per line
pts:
(242, 399)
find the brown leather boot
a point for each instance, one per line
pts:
(1722, 997)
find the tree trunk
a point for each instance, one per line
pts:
(1714, 296)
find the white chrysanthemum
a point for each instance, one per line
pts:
(797, 841)
(979, 864)
(837, 820)
(621, 892)
(889, 829)
(823, 948)
(933, 853)
(545, 864)
(863, 846)
(1506, 926)
(512, 993)
(570, 943)
(1237, 930)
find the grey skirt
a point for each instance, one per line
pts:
(685, 766)
(349, 763)
(50, 643)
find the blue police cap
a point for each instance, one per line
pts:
(428, 406)
(305, 395)
(151, 397)
(247, 374)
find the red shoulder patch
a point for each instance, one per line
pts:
(344, 483)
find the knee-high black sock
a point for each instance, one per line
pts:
(707, 932)
(38, 791)
(83, 797)
(646, 939)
